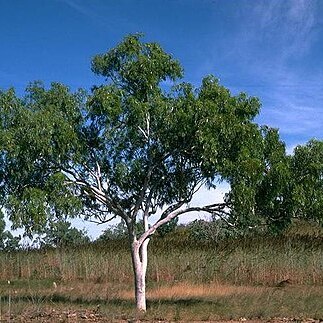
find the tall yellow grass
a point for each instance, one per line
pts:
(244, 261)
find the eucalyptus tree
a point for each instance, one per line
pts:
(131, 149)
(62, 234)
(307, 181)
(273, 192)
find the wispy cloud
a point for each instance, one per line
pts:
(96, 12)
(289, 24)
(87, 10)
(297, 119)
(9, 79)
(278, 43)
(5, 74)
(267, 36)
(81, 9)
(293, 102)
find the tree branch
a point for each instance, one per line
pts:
(98, 176)
(100, 196)
(101, 221)
(142, 193)
(172, 214)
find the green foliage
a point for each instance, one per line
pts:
(168, 227)
(208, 231)
(114, 232)
(131, 147)
(61, 234)
(273, 192)
(8, 242)
(136, 67)
(307, 188)
(37, 143)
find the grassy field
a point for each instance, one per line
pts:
(179, 302)
(234, 279)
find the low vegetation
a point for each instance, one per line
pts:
(257, 277)
(133, 146)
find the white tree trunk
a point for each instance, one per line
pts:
(139, 262)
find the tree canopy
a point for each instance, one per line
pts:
(307, 181)
(135, 147)
(129, 146)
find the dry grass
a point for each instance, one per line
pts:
(249, 261)
(176, 302)
(186, 280)
(185, 290)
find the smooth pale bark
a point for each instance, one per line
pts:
(139, 248)
(139, 262)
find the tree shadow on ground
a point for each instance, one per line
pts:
(57, 298)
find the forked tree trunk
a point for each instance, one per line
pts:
(139, 263)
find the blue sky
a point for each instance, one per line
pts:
(271, 49)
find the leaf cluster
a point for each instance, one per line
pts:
(132, 146)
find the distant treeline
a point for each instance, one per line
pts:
(182, 255)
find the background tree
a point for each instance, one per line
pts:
(307, 181)
(273, 193)
(129, 149)
(8, 242)
(61, 234)
(114, 232)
